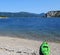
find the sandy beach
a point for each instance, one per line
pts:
(19, 46)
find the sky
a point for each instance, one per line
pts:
(33, 6)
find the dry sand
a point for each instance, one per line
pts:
(19, 46)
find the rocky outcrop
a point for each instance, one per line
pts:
(53, 14)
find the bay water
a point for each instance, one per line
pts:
(31, 28)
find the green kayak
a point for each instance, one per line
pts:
(44, 49)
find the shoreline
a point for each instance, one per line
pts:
(18, 46)
(36, 38)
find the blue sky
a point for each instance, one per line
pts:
(34, 6)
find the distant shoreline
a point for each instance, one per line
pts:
(3, 17)
(28, 14)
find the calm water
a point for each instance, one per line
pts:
(31, 27)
